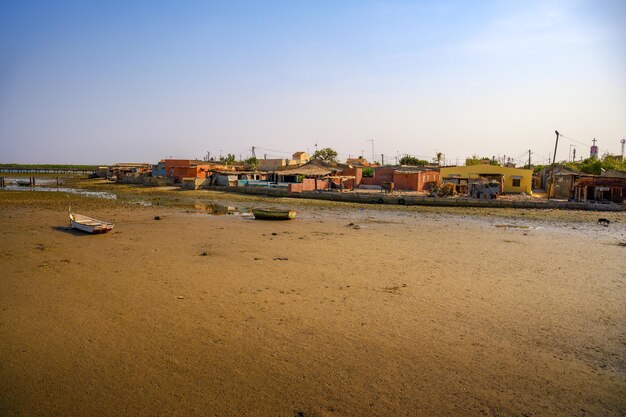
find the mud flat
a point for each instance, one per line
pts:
(345, 311)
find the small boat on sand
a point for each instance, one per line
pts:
(260, 214)
(89, 225)
(23, 183)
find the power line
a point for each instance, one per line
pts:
(573, 140)
(272, 150)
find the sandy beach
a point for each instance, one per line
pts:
(345, 311)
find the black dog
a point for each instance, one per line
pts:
(604, 222)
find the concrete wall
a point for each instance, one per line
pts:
(193, 183)
(423, 200)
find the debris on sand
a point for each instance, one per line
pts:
(281, 259)
(513, 226)
(157, 217)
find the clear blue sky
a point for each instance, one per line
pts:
(113, 81)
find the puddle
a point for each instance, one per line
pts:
(25, 182)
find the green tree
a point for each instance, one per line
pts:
(228, 159)
(326, 154)
(438, 157)
(368, 172)
(595, 166)
(411, 160)
(476, 160)
(252, 162)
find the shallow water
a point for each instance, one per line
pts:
(38, 181)
(97, 194)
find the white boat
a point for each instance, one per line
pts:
(89, 225)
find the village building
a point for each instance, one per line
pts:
(404, 178)
(178, 169)
(561, 187)
(121, 170)
(274, 164)
(599, 189)
(512, 180)
(301, 157)
(298, 158)
(615, 173)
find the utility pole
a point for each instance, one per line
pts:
(253, 153)
(574, 156)
(529, 159)
(382, 158)
(373, 156)
(556, 144)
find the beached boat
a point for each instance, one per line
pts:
(89, 225)
(273, 214)
(23, 183)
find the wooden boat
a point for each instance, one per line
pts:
(23, 183)
(89, 225)
(260, 214)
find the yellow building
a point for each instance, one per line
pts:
(514, 180)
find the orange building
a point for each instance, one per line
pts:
(404, 178)
(189, 168)
(411, 180)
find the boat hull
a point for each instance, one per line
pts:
(89, 225)
(274, 214)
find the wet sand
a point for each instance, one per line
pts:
(404, 313)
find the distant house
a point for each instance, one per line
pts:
(301, 157)
(158, 170)
(599, 189)
(415, 179)
(564, 178)
(170, 164)
(190, 168)
(404, 178)
(615, 173)
(124, 169)
(275, 164)
(513, 180)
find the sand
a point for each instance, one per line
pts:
(342, 312)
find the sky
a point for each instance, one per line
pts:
(98, 82)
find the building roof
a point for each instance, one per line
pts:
(591, 180)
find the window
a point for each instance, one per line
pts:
(516, 182)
